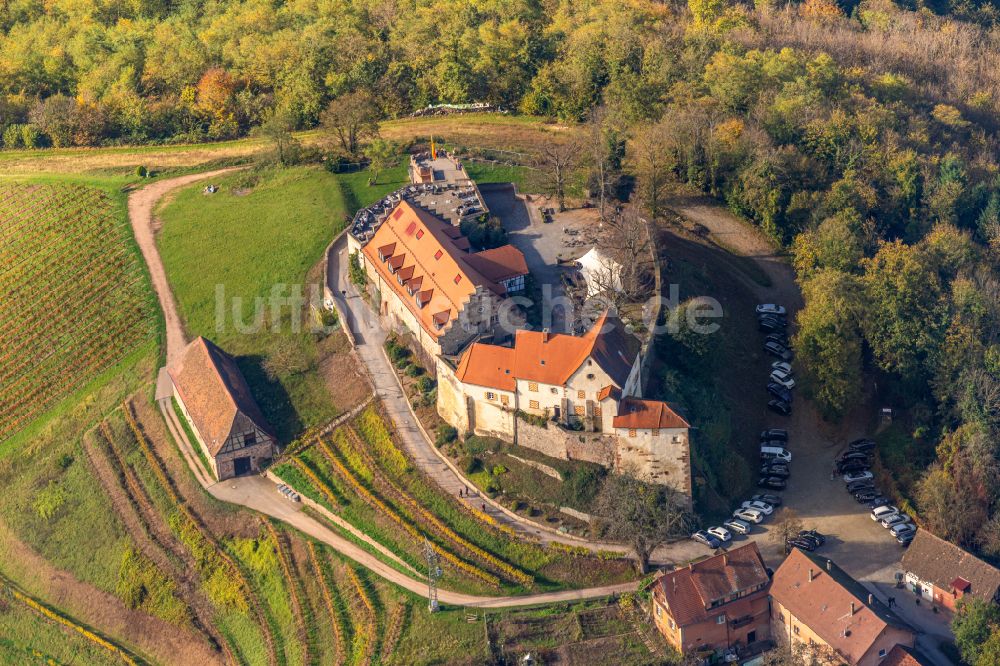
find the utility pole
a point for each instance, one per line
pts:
(433, 574)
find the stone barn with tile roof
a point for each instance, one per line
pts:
(216, 401)
(714, 605)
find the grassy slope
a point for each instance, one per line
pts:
(248, 245)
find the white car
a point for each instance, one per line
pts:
(720, 533)
(770, 308)
(902, 528)
(750, 515)
(782, 380)
(880, 511)
(893, 519)
(851, 477)
(737, 525)
(763, 507)
(782, 366)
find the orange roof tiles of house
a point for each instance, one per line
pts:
(824, 603)
(214, 392)
(904, 656)
(550, 358)
(691, 591)
(634, 413)
(431, 257)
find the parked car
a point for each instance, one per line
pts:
(778, 350)
(763, 507)
(902, 528)
(819, 537)
(720, 533)
(779, 407)
(803, 544)
(738, 526)
(750, 515)
(778, 336)
(781, 365)
(773, 500)
(772, 482)
(771, 308)
(774, 434)
(879, 501)
(854, 455)
(858, 476)
(905, 539)
(704, 538)
(780, 392)
(814, 544)
(852, 466)
(862, 444)
(780, 471)
(858, 486)
(776, 453)
(770, 325)
(782, 380)
(893, 519)
(883, 510)
(773, 443)
(865, 496)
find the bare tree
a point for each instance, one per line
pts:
(786, 526)
(642, 514)
(352, 118)
(653, 161)
(603, 145)
(629, 244)
(556, 161)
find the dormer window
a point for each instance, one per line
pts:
(420, 234)
(438, 254)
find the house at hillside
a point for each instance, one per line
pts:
(817, 606)
(568, 397)
(428, 282)
(715, 606)
(225, 419)
(943, 573)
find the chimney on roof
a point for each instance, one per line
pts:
(545, 335)
(810, 574)
(852, 608)
(871, 599)
(829, 565)
(725, 559)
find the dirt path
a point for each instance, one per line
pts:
(140, 214)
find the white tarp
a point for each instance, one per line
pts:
(600, 271)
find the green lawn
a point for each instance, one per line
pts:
(358, 193)
(249, 247)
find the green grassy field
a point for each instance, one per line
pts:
(250, 247)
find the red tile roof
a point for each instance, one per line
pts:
(691, 591)
(214, 392)
(823, 601)
(416, 245)
(647, 414)
(941, 562)
(904, 656)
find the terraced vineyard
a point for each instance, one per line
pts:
(74, 298)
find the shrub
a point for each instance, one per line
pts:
(414, 370)
(498, 470)
(12, 137)
(426, 385)
(49, 499)
(65, 460)
(355, 271)
(446, 434)
(472, 464)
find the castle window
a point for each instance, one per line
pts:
(533, 386)
(491, 396)
(579, 410)
(504, 399)
(582, 395)
(656, 432)
(533, 404)
(631, 432)
(597, 411)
